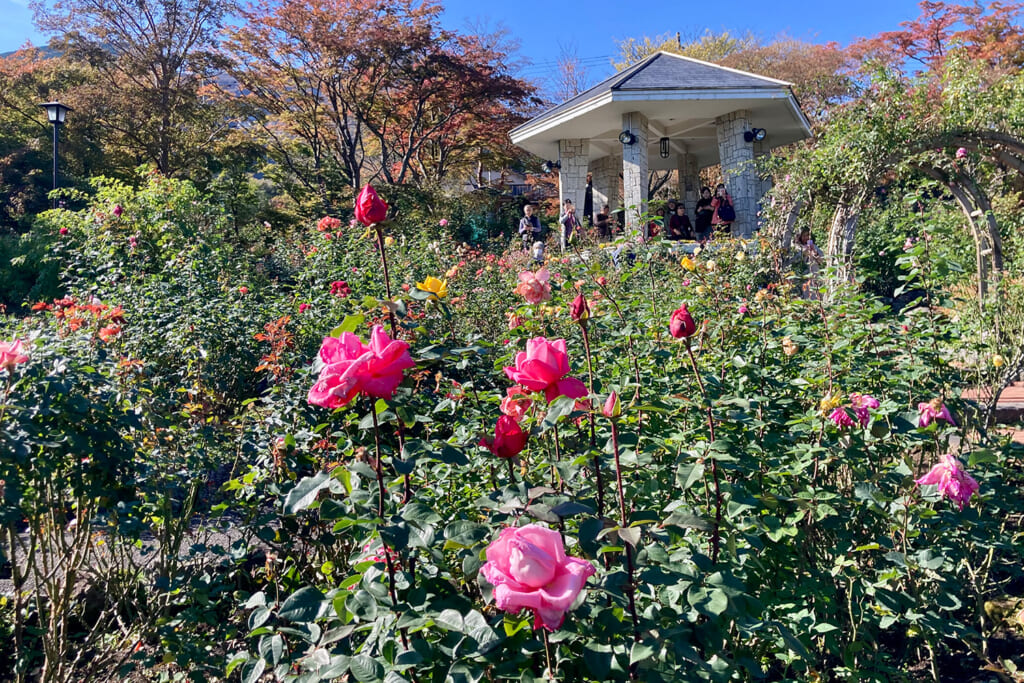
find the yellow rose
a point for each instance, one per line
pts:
(389, 241)
(688, 263)
(741, 256)
(997, 361)
(711, 265)
(701, 289)
(789, 347)
(830, 403)
(437, 288)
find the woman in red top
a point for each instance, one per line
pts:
(723, 222)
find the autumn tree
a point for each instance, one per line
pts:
(708, 46)
(347, 91)
(571, 74)
(990, 33)
(151, 59)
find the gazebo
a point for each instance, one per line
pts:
(667, 112)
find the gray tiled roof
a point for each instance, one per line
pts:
(665, 71)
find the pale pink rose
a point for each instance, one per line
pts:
(933, 410)
(443, 222)
(543, 367)
(11, 354)
(529, 569)
(953, 482)
(349, 367)
(516, 403)
(534, 287)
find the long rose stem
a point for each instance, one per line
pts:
(387, 278)
(624, 520)
(558, 458)
(547, 656)
(380, 513)
(593, 434)
(716, 531)
(511, 472)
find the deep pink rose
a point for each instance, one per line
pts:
(11, 354)
(529, 569)
(350, 367)
(579, 309)
(443, 222)
(117, 211)
(516, 403)
(370, 208)
(543, 367)
(534, 287)
(681, 324)
(861, 403)
(303, 308)
(953, 482)
(961, 152)
(933, 410)
(63, 231)
(328, 223)
(340, 288)
(509, 438)
(841, 418)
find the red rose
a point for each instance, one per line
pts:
(509, 438)
(370, 208)
(681, 325)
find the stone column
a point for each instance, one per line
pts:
(761, 153)
(737, 158)
(634, 169)
(689, 182)
(605, 172)
(572, 178)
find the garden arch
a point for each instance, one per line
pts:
(1001, 147)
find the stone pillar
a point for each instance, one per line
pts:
(737, 158)
(689, 182)
(634, 169)
(761, 153)
(605, 175)
(572, 178)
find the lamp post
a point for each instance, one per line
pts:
(56, 113)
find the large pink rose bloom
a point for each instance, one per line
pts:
(534, 287)
(543, 367)
(529, 569)
(11, 354)
(953, 482)
(933, 410)
(350, 367)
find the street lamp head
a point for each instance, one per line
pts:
(56, 112)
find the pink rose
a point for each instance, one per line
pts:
(543, 367)
(349, 367)
(933, 410)
(340, 288)
(953, 482)
(63, 231)
(243, 290)
(681, 324)
(579, 309)
(961, 153)
(370, 208)
(11, 354)
(861, 403)
(612, 407)
(328, 223)
(534, 287)
(841, 418)
(509, 438)
(516, 403)
(303, 308)
(117, 210)
(514, 320)
(443, 222)
(529, 569)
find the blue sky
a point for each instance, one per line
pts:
(544, 27)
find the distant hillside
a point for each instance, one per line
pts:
(46, 50)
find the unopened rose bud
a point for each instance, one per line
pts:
(612, 406)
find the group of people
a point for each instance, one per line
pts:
(713, 213)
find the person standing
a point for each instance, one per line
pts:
(704, 213)
(725, 213)
(569, 222)
(529, 227)
(603, 221)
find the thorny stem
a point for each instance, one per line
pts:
(387, 278)
(558, 458)
(547, 655)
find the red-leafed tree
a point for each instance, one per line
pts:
(987, 32)
(347, 91)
